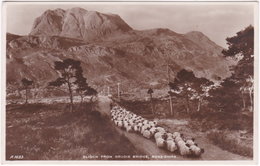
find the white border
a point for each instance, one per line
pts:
(164, 2)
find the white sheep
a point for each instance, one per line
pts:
(176, 134)
(153, 130)
(128, 128)
(196, 151)
(160, 129)
(140, 124)
(160, 142)
(152, 123)
(147, 134)
(177, 139)
(171, 146)
(145, 122)
(136, 128)
(183, 148)
(171, 141)
(158, 135)
(144, 127)
(169, 135)
(120, 123)
(125, 123)
(190, 141)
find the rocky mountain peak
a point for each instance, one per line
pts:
(78, 23)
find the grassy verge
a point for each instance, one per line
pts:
(53, 132)
(231, 142)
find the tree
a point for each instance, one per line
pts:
(225, 97)
(70, 75)
(26, 85)
(242, 46)
(150, 92)
(91, 92)
(202, 87)
(189, 87)
(82, 87)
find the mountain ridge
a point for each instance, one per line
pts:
(135, 58)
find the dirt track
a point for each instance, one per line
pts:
(149, 147)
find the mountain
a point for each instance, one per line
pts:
(10, 37)
(78, 23)
(205, 42)
(110, 52)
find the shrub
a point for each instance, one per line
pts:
(221, 139)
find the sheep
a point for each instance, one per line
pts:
(171, 141)
(129, 128)
(158, 135)
(153, 130)
(152, 123)
(144, 127)
(185, 151)
(140, 124)
(190, 141)
(147, 134)
(125, 124)
(176, 134)
(196, 151)
(160, 129)
(169, 135)
(160, 142)
(132, 122)
(136, 128)
(180, 143)
(145, 122)
(183, 148)
(177, 139)
(171, 146)
(120, 124)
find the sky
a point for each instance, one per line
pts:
(216, 20)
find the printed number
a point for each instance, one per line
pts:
(16, 157)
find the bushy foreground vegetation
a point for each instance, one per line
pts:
(232, 143)
(54, 132)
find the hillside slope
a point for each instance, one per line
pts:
(110, 51)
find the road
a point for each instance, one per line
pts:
(149, 147)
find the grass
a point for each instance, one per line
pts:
(53, 132)
(230, 143)
(207, 120)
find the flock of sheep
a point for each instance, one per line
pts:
(149, 129)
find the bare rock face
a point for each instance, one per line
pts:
(78, 23)
(49, 23)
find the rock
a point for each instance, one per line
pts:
(78, 23)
